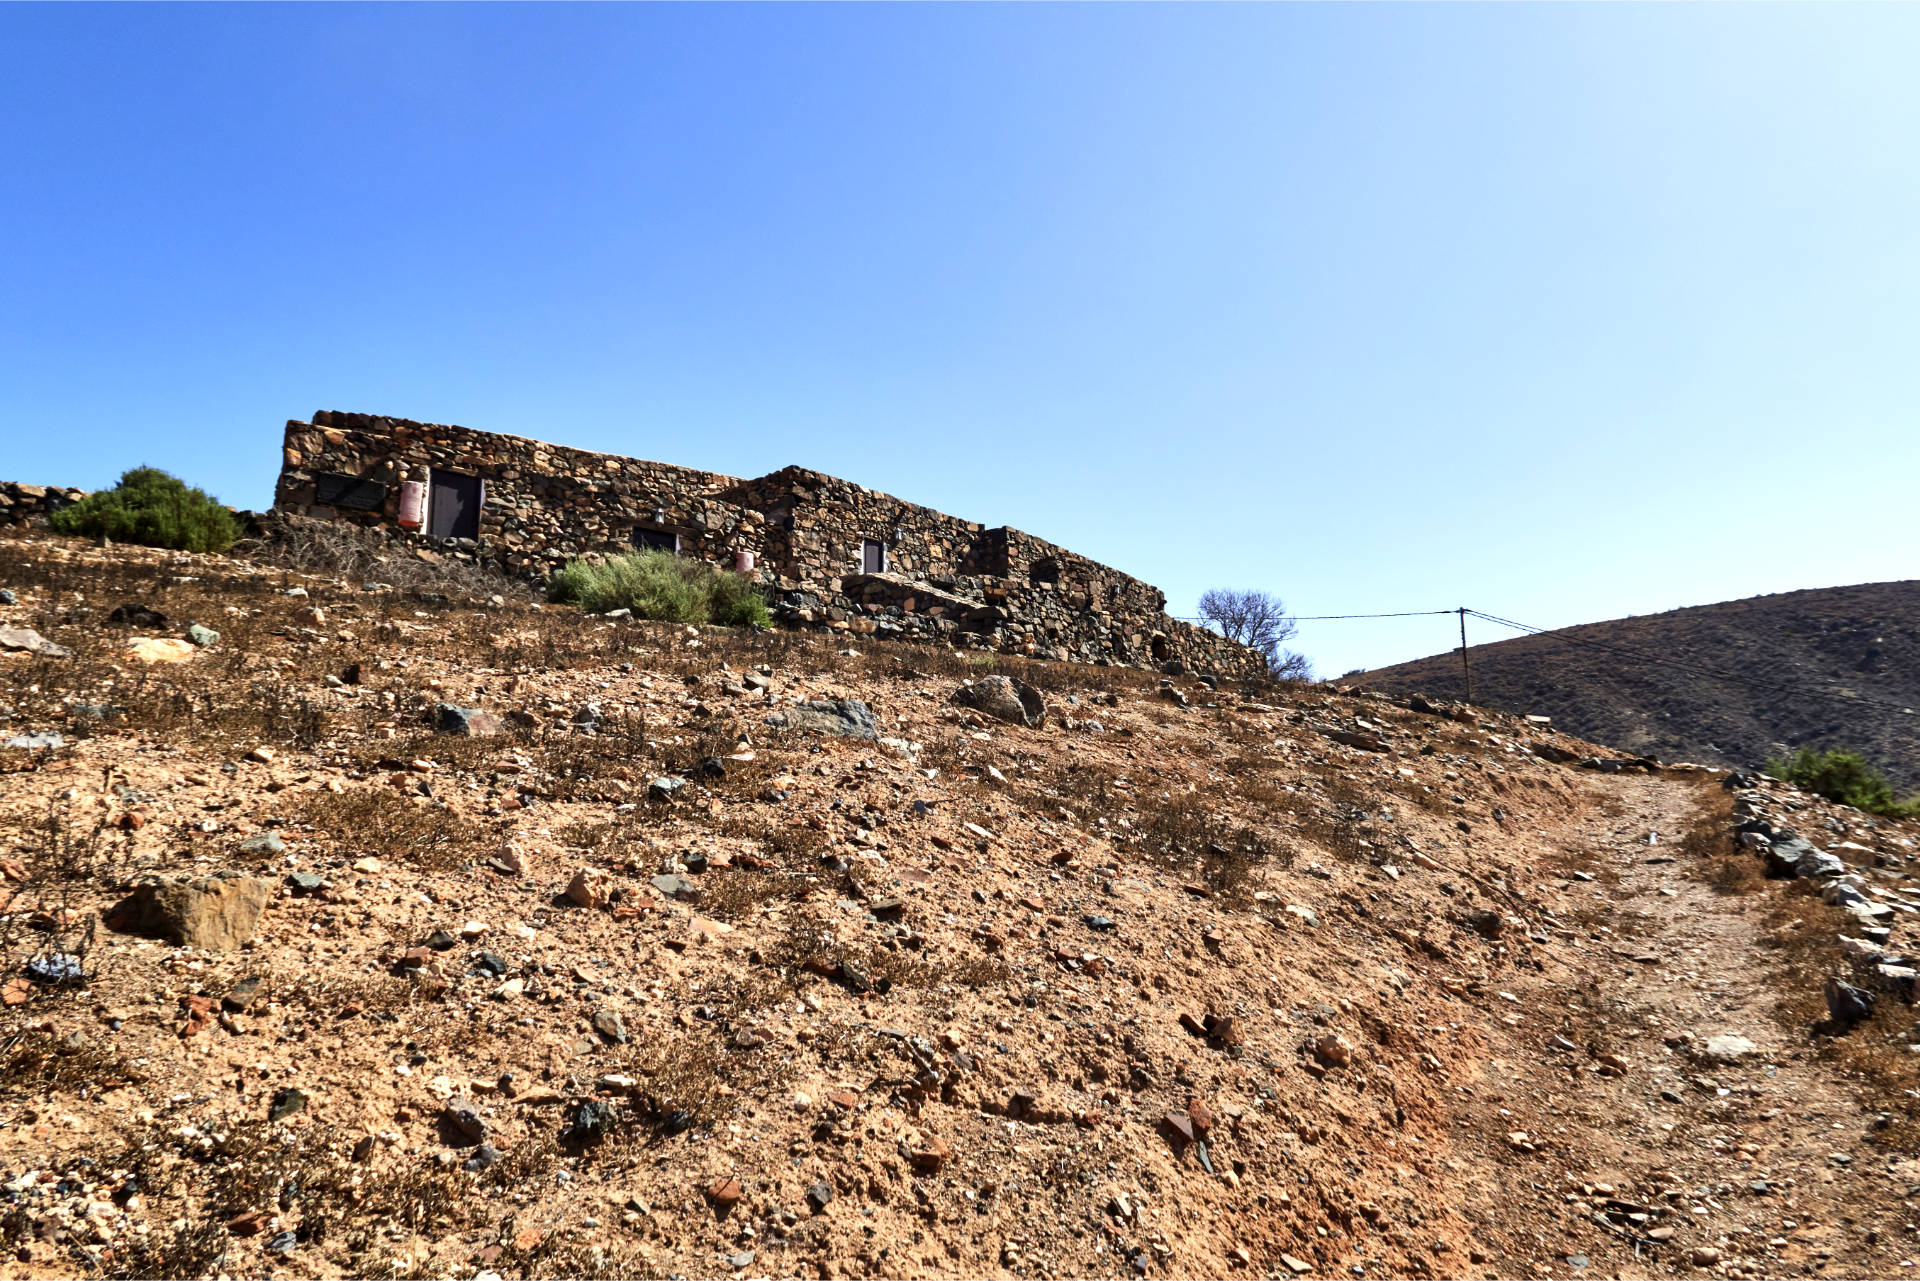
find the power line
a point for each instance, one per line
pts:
(1323, 618)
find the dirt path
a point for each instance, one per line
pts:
(1756, 1166)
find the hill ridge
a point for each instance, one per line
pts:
(1731, 683)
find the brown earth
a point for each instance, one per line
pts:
(1413, 989)
(1729, 684)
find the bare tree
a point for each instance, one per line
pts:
(1258, 620)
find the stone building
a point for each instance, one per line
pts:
(830, 553)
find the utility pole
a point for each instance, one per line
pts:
(1465, 666)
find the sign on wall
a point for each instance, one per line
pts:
(352, 492)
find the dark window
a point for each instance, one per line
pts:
(873, 556)
(663, 540)
(351, 492)
(453, 505)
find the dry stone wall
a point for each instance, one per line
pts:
(944, 579)
(23, 504)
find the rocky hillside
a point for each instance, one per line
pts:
(1733, 683)
(356, 932)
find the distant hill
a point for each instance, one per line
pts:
(1806, 663)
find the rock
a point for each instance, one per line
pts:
(1350, 738)
(484, 1156)
(741, 1259)
(134, 614)
(241, 994)
(48, 741)
(160, 650)
(1097, 922)
(441, 941)
(842, 717)
(470, 721)
(1861, 949)
(212, 913)
(25, 638)
(1901, 980)
(609, 1024)
(1725, 1049)
(1004, 698)
(665, 789)
(286, 1103)
(1703, 1256)
(930, 1155)
(266, 844)
(678, 887)
(55, 968)
(819, 1195)
(725, 1194)
(464, 1120)
(591, 1120)
(305, 882)
(202, 637)
(590, 887)
(1333, 1050)
(1847, 1004)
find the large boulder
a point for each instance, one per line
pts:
(212, 913)
(843, 717)
(1004, 698)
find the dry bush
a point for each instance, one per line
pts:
(380, 822)
(1187, 829)
(1735, 873)
(582, 763)
(734, 894)
(37, 1060)
(340, 550)
(561, 1256)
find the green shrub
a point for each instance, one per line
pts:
(154, 509)
(657, 585)
(1846, 777)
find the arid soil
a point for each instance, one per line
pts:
(1728, 684)
(1185, 982)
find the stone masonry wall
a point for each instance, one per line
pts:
(542, 503)
(946, 579)
(22, 504)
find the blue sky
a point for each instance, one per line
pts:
(1561, 312)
